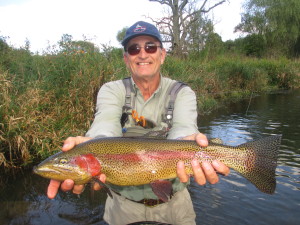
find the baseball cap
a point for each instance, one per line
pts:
(141, 28)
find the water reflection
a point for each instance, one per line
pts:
(238, 201)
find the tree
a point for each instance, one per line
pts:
(278, 21)
(4, 53)
(214, 45)
(182, 16)
(65, 43)
(254, 45)
(198, 34)
(121, 34)
(68, 46)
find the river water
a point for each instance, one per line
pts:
(232, 201)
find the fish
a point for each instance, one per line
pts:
(139, 161)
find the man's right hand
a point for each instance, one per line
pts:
(68, 184)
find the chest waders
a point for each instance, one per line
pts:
(143, 126)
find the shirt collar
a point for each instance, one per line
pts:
(135, 87)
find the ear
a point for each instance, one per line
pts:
(125, 58)
(163, 55)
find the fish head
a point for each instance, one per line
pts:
(61, 166)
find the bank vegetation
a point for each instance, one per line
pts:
(47, 97)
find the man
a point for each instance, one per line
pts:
(146, 104)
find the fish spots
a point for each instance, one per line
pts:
(88, 163)
(131, 157)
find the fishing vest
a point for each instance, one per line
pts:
(143, 126)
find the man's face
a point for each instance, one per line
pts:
(144, 65)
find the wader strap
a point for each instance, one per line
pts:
(128, 87)
(127, 107)
(173, 91)
(176, 87)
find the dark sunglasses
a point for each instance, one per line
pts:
(135, 49)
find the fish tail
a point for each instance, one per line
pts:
(260, 162)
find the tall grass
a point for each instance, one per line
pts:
(46, 98)
(52, 99)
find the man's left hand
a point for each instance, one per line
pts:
(204, 172)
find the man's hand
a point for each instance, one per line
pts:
(68, 184)
(204, 172)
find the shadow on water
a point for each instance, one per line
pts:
(233, 200)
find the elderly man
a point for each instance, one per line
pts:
(142, 105)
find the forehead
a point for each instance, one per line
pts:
(142, 39)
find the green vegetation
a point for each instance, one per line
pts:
(273, 27)
(46, 98)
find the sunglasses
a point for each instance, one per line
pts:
(135, 49)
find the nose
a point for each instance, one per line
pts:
(143, 53)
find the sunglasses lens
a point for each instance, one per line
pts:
(134, 50)
(150, 48)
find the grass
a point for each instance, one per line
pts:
(46, 98)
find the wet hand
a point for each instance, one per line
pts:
(68, 185)
(204, 172)
(71, 142)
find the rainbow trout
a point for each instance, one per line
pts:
(135, 161)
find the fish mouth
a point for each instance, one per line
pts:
(44, 170)
(56, 171)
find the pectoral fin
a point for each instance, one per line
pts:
(103, 186)
(162, 189)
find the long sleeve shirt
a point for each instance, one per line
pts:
(111, 99)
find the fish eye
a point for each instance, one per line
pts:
(63, 161)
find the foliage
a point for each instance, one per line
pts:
(254, 45)
(121, 34)
(214, 46)
(202, 37)
(4, 51)
(278, 21)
